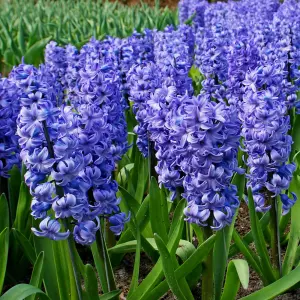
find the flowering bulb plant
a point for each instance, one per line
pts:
(157, 143)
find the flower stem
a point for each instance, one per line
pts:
(104, 257)
(207, 277)
(72, 256)
(275, 236)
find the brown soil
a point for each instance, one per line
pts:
(163, 3)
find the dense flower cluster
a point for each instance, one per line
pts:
(9, 109)
(144, 79)
(205, 138)
(136, 49)
(56, 64)
(173, 57)
(76, 146)
(265, 132)
(192, 8)
(173, 54)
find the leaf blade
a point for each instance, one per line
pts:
(168, 268)
(237, 272)
(4, 244)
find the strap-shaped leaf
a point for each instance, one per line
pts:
(156, 273)
(184, 251)
(295, 229)
(237, 272)
(35, 53)
(23, 210)
(276, 288)
(135, 276)
(223, 239)
(25, 244)
(250, 256)
(177, 216)
(158, 211)
(259, 241)
(103, 264)
(130, 200)
(4, 243)
(64, 269)
(111, 295)
(248, 238)
(4, 220)
(148, 248)
(142, 179)
(14, 185)
(91, 283)
(168, 268)
(21, 291)
(37, 273)
(122, 175)
(186, 268)
(45, 244)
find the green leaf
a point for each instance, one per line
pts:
(220, 256)
(4, 242)
(100, 255)
(37, 273)
(250, 256)
(91, 283)
(260, 242)
(186, 268)
(64, 269)
(294, 229)
(142, 218)
(25, 244)
(14, 186)
(185, 249)
(111, 295)
(295, 135)
(35, 53)
(142, 179)
(156, 274)
(21, 37)
(4, 220)
(126, 206)
(135, 276)
(222, 244)
(177, 216)
(248, 238)
(21, 291)
(122, 175)
(276, 288)
(45, 244)
(158, 211)
(168, 268)
(237, 272)
(130, 200)
(23, 211)
(9, 58)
